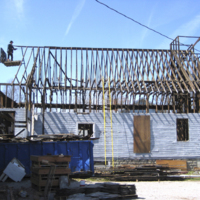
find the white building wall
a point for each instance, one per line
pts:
(163, 133)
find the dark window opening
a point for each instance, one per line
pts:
(7, 120)
(182, 129)
(85, 129)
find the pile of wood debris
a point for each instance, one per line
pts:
(140, 173)
(44, 138)
(111, 191)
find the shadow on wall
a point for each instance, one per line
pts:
(55, 123)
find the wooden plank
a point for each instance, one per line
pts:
(51, 158)
(3, 177)
(45, 170)
(178, 164)
(41, 164)
(145, 178)
(142, 135)
(12, 63)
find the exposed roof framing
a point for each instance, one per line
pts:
(67, 77)
(129, 70)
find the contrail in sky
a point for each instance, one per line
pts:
(144, 34)
(75, 15)
(186, 29)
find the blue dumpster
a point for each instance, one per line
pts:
(81, 153)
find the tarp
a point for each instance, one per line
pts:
(2, 56)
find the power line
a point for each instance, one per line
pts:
(140, 23)
(134, 20)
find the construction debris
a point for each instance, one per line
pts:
(14, 170)
(173, 164)
(111, 191)
(57, 137)
(141, 173)
(47, 170)
(9, 194)
(44, 138)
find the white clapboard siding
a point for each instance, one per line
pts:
(164, 142)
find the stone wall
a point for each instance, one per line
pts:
(192, 164)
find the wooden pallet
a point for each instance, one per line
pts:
(59, 161)
(40, 180)
(41, 177)
(42, 167)
(45, 170)
(51, 158)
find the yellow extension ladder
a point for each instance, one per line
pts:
(104, 114)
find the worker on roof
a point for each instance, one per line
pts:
(10, 50)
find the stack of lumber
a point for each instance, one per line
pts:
(141, 173)
(111, 191)
(40, 170)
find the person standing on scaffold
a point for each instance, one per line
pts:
(10, 50)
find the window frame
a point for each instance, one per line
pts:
(4, 120)
(182, 123)
(93, 128)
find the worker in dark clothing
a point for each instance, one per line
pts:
(10, 50)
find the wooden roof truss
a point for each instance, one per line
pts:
(143, 79)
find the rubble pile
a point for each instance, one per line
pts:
(100, 191)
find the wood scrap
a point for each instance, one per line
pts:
(101, 190)
(44, 138)
(180, 164)
(145, 173)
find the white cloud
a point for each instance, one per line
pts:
(19, 5)
(75, 15)
(188, 29)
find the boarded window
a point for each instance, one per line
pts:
(142, 135)
(182, 129)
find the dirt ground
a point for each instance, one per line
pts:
(163, 190)
(16, 187)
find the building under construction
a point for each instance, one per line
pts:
(136, 103)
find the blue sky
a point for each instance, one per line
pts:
(86, 23)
